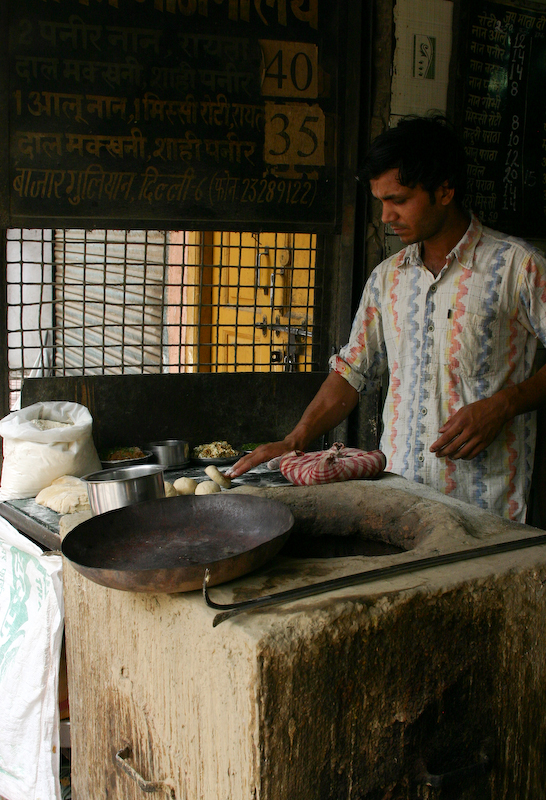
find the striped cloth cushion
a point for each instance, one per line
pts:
(339, 463)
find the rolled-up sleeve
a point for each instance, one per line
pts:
(363, 359)
(533, 295)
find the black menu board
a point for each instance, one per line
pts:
(503, 121)
(175, 113)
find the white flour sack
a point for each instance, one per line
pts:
(31, 630)
(42, 442)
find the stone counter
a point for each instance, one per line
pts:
(351, 695)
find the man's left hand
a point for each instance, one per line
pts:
(471, 429)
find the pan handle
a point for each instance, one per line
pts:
(146, 786)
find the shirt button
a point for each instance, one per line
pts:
(433, 287)
(420, 457)
(431, 327)
(423, 411)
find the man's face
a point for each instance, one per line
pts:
(408, 211)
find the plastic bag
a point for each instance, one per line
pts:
(31, 626)
(34, 458)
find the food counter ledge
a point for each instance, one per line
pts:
(42, 525)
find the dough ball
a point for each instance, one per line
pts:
(170, 491)
(68, 480)
(66, 495)
(207, 487)
(185, 486)
(215, 475)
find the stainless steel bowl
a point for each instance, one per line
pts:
(123, 486)
(171, 452)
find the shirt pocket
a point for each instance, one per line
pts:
(478, 344)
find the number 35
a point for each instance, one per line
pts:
(293, 134)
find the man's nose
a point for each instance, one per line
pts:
(388, 213)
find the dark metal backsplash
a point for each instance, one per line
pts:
(198, 407)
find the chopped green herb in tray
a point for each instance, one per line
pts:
(251, 445)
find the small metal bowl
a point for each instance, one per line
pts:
(123, 486)
(171, 452)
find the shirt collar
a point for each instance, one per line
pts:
(463, 251)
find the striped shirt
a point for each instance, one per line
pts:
(448, 341)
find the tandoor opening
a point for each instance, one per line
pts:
(331, 546)
(355, 518)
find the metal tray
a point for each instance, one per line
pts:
(128, 462)
(217, 462)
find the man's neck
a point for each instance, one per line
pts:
(435, 251)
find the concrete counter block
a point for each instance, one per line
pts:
(350, 695)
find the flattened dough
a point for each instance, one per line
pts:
(65, 495)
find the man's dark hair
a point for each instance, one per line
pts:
(425, 150)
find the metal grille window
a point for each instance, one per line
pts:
(117, 302)
(109, 288)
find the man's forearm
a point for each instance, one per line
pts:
(527, 395)
(332, 404)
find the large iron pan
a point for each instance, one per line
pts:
(166, 545)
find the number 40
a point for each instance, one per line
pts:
(301, 70)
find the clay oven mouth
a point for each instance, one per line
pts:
(353, 519)
(340, 546)
(389, 516)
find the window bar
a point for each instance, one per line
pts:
(14, 298)
(183, 347)
(44, 325)
(142, 325)
(84, 302)
(160, 311)
(256, 296)
(102, 299)
(237, 301)
(4, 348)
(54, 302)
(201, 251)
(123, 305)
(165, 278)
(317, 356)
(217, 348)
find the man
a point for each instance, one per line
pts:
(454, 318)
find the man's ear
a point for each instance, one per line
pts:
(445, 193)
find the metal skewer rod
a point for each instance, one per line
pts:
(232, 609)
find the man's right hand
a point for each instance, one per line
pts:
(262, 453)
(333, 403)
